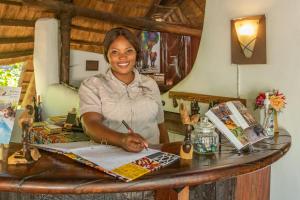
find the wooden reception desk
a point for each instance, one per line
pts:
(224, 175)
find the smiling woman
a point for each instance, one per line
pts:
(122, 94)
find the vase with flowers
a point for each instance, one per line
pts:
(272, 102)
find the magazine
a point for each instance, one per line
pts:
(236, 123)
(9, 98)
(111, 159)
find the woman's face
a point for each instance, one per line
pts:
(121, 56)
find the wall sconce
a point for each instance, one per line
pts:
(248, 40)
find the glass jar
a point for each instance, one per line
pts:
(206, 140)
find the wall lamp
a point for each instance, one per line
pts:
(248, 40)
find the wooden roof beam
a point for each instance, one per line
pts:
(83, 42)
(153, 8)
(15, 54)
(10, 40)
(133, 22)
(14, 3)
(81, 28)
(17, 22)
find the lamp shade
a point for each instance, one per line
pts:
(247, 32)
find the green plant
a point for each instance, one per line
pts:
(10, 74)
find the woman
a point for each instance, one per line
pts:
(122, 94)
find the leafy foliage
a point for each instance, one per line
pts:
(10, 74)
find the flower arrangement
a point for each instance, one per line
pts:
(277, 100)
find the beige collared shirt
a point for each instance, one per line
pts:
(138, 103)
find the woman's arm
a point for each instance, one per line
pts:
(163, 133)
(98, 132)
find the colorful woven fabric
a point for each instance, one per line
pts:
(41, 136)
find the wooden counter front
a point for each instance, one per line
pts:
(57, 174)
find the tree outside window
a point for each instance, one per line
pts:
(10, 74)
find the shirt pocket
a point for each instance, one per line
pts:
(146, 109)
(110, 105)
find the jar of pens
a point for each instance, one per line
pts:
(271, 102)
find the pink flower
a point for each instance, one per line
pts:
(259, 102)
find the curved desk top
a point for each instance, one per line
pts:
(55, 173)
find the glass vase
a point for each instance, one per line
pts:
(271, 122)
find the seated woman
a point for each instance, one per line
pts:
(122, 94)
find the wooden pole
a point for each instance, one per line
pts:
(65, 29)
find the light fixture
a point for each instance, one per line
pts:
(248, 40)
(246, 32)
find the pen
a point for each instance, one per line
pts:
(130, 130)
(127, 126)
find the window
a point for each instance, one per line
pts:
(10, 74)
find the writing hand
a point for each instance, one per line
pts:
(133, 142)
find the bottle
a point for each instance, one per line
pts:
(37, 107)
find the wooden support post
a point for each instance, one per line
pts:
(173, 194)
(65, 31)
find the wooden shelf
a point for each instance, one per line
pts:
(203, 98)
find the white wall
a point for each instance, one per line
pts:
(77, 65)
(214, 74)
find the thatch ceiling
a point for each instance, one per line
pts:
(91, 19)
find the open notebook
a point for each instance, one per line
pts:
(111, 159)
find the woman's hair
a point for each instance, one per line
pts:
(116, 32)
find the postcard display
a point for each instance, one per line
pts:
(111, 159)
(9, 98)
(236, 123)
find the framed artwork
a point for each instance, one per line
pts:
(150, 53)
(92, 65)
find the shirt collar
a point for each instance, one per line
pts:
(136, 81)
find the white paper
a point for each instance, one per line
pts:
(106, 156)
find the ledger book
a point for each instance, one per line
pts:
(111, 159)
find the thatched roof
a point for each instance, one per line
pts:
(90, 20)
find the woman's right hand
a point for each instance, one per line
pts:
(133, 142)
